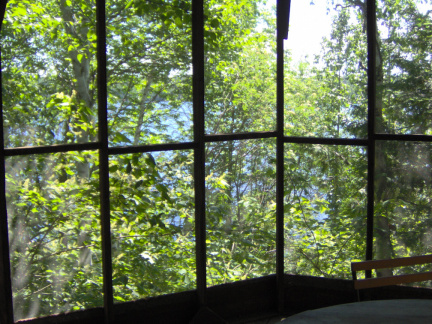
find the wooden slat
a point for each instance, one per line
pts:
(395, 280)
(390, 263)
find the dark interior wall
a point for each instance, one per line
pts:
(240, 301)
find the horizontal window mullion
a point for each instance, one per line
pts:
(238, 136)
(151, 148)
(58, 148)
(405, 138)
(209, 138)
(328, 141)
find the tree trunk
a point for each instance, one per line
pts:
(383, 191)
(81, 73)
(81, 95)
(382, 186)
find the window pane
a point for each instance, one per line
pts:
(403, 224)
(149, 46)
(325, 209)
(404, 77)
(153, 225)
(49, 72)
(54, 233)
(240, 69)
(240, 209)
(325, 70)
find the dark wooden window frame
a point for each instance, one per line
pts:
(198, 145)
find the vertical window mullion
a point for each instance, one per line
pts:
(283, 7)
(6, 312)
(199, 140)
(371, 81)
(103, 161)
(6, 307)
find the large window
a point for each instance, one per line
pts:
(159, 146)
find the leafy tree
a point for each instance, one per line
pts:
(240, 180)
(335, 105)
(50, 97)
(49, 72)
(54, 234)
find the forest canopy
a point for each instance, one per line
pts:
(50, 97)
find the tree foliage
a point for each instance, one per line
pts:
(49, 74)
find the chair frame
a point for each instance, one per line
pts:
(385, 264)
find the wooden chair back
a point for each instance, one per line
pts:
(389, 263)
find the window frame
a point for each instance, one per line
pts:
(200, 139)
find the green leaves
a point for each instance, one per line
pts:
(50, 97)
(121, 139)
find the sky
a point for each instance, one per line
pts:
(309, 23)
